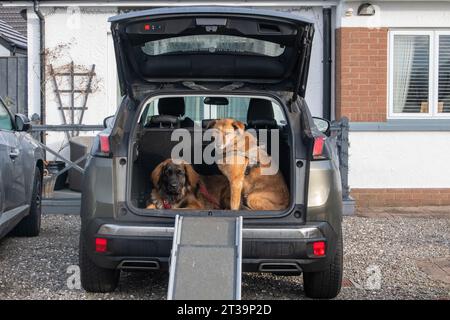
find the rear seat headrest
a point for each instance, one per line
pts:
(164, 121)
(173, 106)
(260, 109)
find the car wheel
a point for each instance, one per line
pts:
(326, 284)
(31, 224)
(93, 277)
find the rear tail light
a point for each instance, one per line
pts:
(104, 147)
(319, 248)
(319, 143)
(104, 143)
(101, 245)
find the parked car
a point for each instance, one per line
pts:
(21, 168)
(169, 66)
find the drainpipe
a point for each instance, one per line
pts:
(327, 63)
(41, 18)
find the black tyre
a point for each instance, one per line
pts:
(93, 277)
(30, 226)
(326, 284)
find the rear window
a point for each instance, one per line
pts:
(212, 44)
(197, 110)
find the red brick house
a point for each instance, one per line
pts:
(393, 83)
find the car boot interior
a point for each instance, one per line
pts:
(160, 117)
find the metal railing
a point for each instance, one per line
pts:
(340, 130)
(65, 128)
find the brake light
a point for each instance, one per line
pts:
(101, 244)
(319, 248)
(104, 144)
(319, 143)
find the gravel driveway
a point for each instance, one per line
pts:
(385, 258)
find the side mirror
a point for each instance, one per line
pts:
(108, 122)
(322, 124)
(22, 122)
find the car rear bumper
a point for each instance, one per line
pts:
(307, 232)
(287, 250)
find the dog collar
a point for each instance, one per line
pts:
(208, 196)
(166, 204)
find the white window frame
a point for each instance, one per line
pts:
(433, 75)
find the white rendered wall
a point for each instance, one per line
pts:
(399, 160)
(397, 14)
(84, 38)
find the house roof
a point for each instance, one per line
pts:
(13, 17)
(11, 38)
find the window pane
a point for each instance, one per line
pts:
(197, 110)
(212, 43)
(444, 74)
(411, 73)
(194, 108)
(5, 119)
(236, 109)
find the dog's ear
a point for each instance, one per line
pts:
(156, 173)
(211, 124)
(237, 125)
(192, 177)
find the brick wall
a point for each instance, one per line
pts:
(361, 74)
(401, 197)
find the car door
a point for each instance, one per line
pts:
(11, 163)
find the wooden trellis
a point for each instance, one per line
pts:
(72, 90)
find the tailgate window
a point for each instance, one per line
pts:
(212, 43)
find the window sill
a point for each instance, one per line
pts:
(403, 125)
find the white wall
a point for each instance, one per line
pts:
(399, 160)
(85, 39)
(398, 14)
(314, 95)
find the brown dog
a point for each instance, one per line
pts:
(178, 186)
(242, 163)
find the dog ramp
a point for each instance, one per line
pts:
(206, 259)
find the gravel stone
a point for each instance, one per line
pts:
(385, 249)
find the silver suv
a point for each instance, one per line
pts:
(179, 68)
